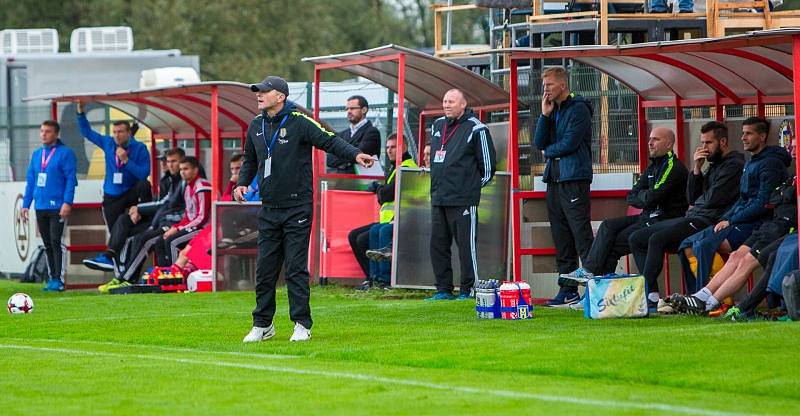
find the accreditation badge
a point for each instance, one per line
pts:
(267, 167)
(41, 180)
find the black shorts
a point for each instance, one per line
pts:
(766, 234)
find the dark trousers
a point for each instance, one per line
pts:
(759, 292)
(568, 208)
(447, 224)
(51, 227)
(283, 237)
(611, 243)
(380, 236)
(649, 244)
(167, 249)
(359, 243)
(122, 230)
(135, 254)
(114, 206)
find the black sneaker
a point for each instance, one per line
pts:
(366, 285)
(385, 286)
(689, 305)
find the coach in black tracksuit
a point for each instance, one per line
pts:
(278, 152)
(463, 161)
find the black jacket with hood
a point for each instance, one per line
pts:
(713, 193)
(762, 174)
(290, 181)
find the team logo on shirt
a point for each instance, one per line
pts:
(21, 230)
(283, 132)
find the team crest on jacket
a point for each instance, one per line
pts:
(283, 132)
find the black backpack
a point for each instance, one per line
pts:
(36, 270)
(791, 294)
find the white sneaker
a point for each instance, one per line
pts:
(301, 333)
(260, 334)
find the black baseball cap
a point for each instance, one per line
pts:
(271, 83)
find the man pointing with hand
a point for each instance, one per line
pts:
(278, 150)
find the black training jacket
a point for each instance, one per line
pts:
(712, 193)
(290, 181)
(660, 190)
(469, 163)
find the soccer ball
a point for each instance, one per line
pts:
(20, 303)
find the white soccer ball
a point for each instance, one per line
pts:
(20, 303)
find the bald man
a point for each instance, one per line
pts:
(660, 193)
(463, 163)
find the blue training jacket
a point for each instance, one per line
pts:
(138, 166)
(59, 188)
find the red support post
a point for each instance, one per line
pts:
(401, 98)
(718, 107)
(154, 176)
(760, 107)
(796, 87)
(513, 131)
(54, 110)
(197, 145)
(174, 140)
(642, 122)
(316, 160)
(216, 146)
(679, 129)
(513, 159)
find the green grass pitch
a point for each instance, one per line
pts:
(381, 353)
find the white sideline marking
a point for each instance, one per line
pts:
(398, 381)
(162, 348)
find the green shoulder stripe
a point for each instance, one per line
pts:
(300, 114)
(664, 176)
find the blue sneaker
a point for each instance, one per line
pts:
(101, 262)
(441, 296)
(463, 296)
(580, 275)
(54, 285)
(565, 297)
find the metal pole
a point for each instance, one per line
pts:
(216, 145)
(679, 128)
(54, 111)
(642, 121)
(314, 249)
(155, 183)
(795, 77)
(513, 159)
(449, 24)
(401, 96)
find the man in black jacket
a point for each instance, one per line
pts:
(361, 134)
(710, 193)
(563, 134)
(660, 193)
(463, 162)
(278, 152)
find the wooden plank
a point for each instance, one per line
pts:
(656, 16)
(557, 16)
(440, 8)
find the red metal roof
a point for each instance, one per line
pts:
(428, 78)
(739, 69)
(183, 110)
